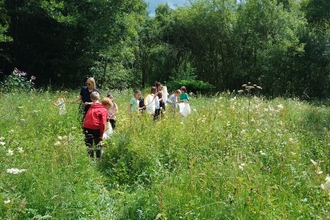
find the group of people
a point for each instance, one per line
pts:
(97, 114)
(155, 102)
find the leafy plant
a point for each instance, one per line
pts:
(18, 81)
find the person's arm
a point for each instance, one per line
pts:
(103, 122)
(76, 100)
(129, 108)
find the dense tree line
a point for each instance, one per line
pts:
(282, 45)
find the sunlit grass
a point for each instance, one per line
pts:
(213, 164)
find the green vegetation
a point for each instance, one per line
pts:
(212, 164)
(282, 45)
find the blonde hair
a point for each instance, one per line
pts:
(95, 96)
(92, 80)
(178, 91)
(106, 101)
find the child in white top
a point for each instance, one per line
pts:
(173, 99)
(157, 104)
(112, 112)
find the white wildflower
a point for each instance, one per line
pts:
(319, 171)
(241, 166)
(6, 201)
(262, 153)
(280, 106)
(314, 162)
(11, 131)
(326, 185)
(181, 122)
(15, 170)
(57, 143)
(60, 137)
(233, 99)
(74, 128)
(258, 130)
(293, 153)
(2, 143)
(194, 110)
(243, 132)
(2, 138)
(20, 150)
(10, 153)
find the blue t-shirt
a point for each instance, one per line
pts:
(86, 95)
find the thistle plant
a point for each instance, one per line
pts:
(18, 81)
(249, 90)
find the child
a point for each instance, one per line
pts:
(134, 103)
(184, 96)
(112, 112)
(160, 94)
(173, 99)
(94, 123)
(157, 103)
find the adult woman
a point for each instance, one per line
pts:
(85, 93)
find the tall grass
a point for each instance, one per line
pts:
(213, 164)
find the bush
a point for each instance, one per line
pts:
(192, 85)
(17, 82)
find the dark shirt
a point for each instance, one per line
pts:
(86, 95)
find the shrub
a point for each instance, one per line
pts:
(192, 85)
(17, 81)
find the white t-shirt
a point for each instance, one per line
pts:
(157, 105)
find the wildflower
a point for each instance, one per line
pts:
(2, 143)
(241, 166)
(314, 162)
(20, 150)
(74, 128)
(6, 201)
(262, 153)
(60, 137)
(243, 132)
(280, 106)
(10, 153)
(33, 77)
(194, 110)
(326, 185)
(15, 170)
(57, 143)
(258, 131)
(2, 138)
(11, 131)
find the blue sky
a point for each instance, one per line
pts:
(153, 4)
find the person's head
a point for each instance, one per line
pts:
(110, 96)
(137, 94)
(158, 86)
(183, 89)
(177, 93)
(95, 96)
(90, 83)
(107, 103)
(153, 90)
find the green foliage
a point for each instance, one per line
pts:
(17, 82)
(192, 85)
(212, 164)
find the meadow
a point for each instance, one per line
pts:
(227, 160)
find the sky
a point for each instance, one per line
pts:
(153, 4)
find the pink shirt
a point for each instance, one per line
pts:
(112, 111)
